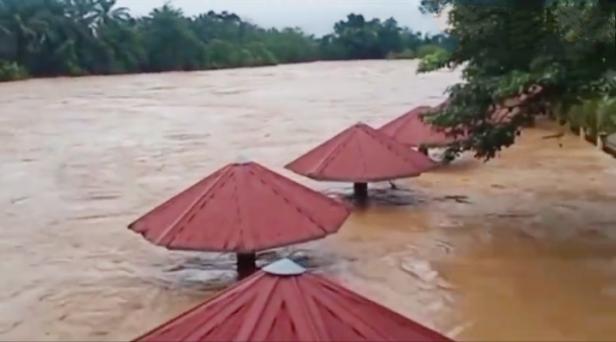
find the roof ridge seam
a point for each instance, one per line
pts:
(239, 214)
(222, 180)
(387, 146)
(334, 153)
(297, 208)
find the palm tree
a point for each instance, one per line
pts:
(25, 23)
(82, 14)
(108, 13)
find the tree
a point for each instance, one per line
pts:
(291, 45)
(79, 37)
(108, 13)
(170, 43)
(261, 54)
(358, 37)
(125, 44)
(389, 37)
(508, 48)
(23, 25)
(222, 54)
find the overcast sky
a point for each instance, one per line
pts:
(314, 16)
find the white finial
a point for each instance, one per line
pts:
(284, 267)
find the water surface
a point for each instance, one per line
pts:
(520, 248)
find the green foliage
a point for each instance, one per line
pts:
(261, 54)
(170, 43)
(595, 115)
(575, 116)
(358, 38)
(434, 61)
(404, 54)
(221, 54)
(331, 49)
(589, 114)
(568, 48)
(80, 37)
(291, 45)
(606, 115)
(11, 71)
(428, 49)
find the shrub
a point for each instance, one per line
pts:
(606, 115)
(221, 54)
(589, 114)
(595, 115)
(261, 55)
(11, 71)
(574, 116)
(434, 61)
(428, 49)
(405, 54)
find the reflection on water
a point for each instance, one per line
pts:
(520, 248)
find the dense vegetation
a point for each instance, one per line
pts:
(566, 48)
(79, 37)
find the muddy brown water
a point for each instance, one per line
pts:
(520, 248)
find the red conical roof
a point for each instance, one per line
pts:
(290, 307)
(360, 154)
(242, 208)
(410, 129)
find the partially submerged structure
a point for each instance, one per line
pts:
(283, 302)
(360, 154)
(413, 130)
(242, 208)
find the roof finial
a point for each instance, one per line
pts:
(284, 267)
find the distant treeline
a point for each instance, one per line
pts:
(82, 37)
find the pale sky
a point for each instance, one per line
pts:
(313, 16)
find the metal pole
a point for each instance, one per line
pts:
(360, 190)
(246, 264)
(423, 149)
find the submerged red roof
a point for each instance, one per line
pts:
(411, 129)
(292, 307)
(242, 208)
(360, 154)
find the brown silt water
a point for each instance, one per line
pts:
(520, 248)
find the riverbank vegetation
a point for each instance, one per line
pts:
(508, 49)
(594, 118)
(83, 37)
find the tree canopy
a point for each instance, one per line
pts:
(79, 37)
(509, 49)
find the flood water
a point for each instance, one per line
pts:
(520, 248)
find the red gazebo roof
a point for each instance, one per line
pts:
(281, 303)
(242, 208)
(411, 129)
(360, 154)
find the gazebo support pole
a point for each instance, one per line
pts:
(360, 190)
(423, 149)
(246, 264)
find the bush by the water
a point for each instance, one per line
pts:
(434, 61)
(606, 115)
(596, 116)
(405, 54)
(542, 53)
(11, 71)
(428, 49)
(60, 37)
